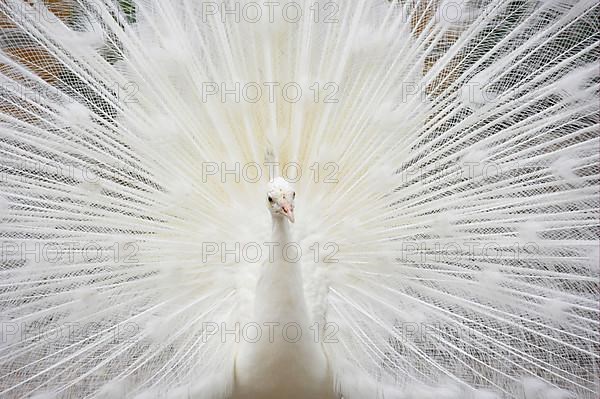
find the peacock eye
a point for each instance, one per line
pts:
(270, 198)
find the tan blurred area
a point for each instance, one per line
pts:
(35, 58)
(42, 63)
(421, 16)
(61, 8)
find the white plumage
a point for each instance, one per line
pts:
(446, 211)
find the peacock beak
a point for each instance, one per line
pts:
(288, 210)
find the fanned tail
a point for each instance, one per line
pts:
(447, 206)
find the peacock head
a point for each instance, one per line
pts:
(280, 198)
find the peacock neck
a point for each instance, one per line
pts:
(287, 347)
(281, 232)
(279, 292)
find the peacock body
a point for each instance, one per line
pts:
(438, 159)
